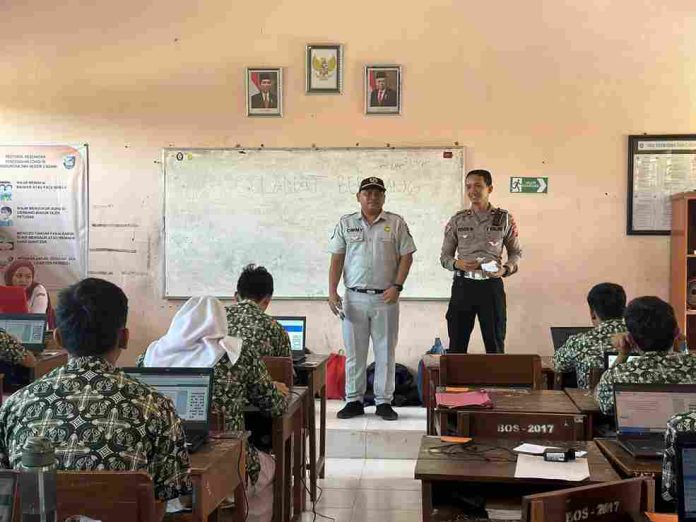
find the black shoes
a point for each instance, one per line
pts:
(386, 412)
(350, 410)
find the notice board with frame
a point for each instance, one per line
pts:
(659, 166)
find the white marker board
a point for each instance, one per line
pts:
(226, 208)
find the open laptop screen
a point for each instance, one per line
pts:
(189, 391)
(295, 327)
(29, 329)
(688, 489)
(645, 409)
(560, 334)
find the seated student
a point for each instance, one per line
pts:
(679, 423)
(584, 351)
(197, 337)
(247, 318)
(12, 351)
(652, 329)
(95, 415)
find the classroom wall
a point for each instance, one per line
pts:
(534, 88)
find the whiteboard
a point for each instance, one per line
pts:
(226, 208)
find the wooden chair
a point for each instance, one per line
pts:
(280, 369)
(106, 495)
(520, 425)
(610, 501)
(595, 376)
(514, 370)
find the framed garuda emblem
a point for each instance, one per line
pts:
(324, 69)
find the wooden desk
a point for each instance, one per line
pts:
(431, 380)
(549, 373)
(289, 458)
(481, 475)
(47, 361)
(585, 402)
(218, 471)
(314, 369)
(524, 401)
(628, 465)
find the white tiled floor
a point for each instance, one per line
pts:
(369, 436)
(367, 490)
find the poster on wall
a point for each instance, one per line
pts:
(44, 211)
(659, 166)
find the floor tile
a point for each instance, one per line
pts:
(334, 498)
(360, 515)
(386, 500)
(338, 514)
(339, 483)
(392, 444)
(344, 468)
(346, 444)
(388, 468)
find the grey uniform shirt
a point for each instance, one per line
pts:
(475, 235)
(372, 251)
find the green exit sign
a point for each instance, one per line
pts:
(529, 185)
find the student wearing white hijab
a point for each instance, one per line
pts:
(197, 337)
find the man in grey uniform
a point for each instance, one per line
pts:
(478, 235)
(374, 251)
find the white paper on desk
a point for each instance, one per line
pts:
(529, 466)
(536, 449)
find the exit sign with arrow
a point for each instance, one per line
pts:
(529, 185)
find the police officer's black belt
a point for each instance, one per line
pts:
(372, 291)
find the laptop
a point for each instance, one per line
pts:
(610, 359)
(642, 412)
(685, 447)
(191, 391)
(560, 334)
(28, 329)
(8, 492)
(296, 328)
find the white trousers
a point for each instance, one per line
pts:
(260, 495)
(368, 317)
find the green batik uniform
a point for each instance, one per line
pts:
(11, 350)
(584, 351)
(257, 329)
(683, 422)
(240, 385)
(98, 418)
(649, 368)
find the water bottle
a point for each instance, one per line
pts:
(37, 481)
(437, 347)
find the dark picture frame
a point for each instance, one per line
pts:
(264, 91)
(324, 69)
(383, 89)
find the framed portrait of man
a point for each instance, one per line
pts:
(324, 63)
(383, 89)
(264, 91)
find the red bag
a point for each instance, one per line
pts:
(336, 376)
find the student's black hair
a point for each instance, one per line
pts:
(487, 178)
(8, 209)
(607, 300)
(651, 323)
(255, 283)
(90, 314)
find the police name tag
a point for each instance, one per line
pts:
(356, 235)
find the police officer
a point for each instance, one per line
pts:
(478, 235)
(374, 251)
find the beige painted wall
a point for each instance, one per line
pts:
(535, 87)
